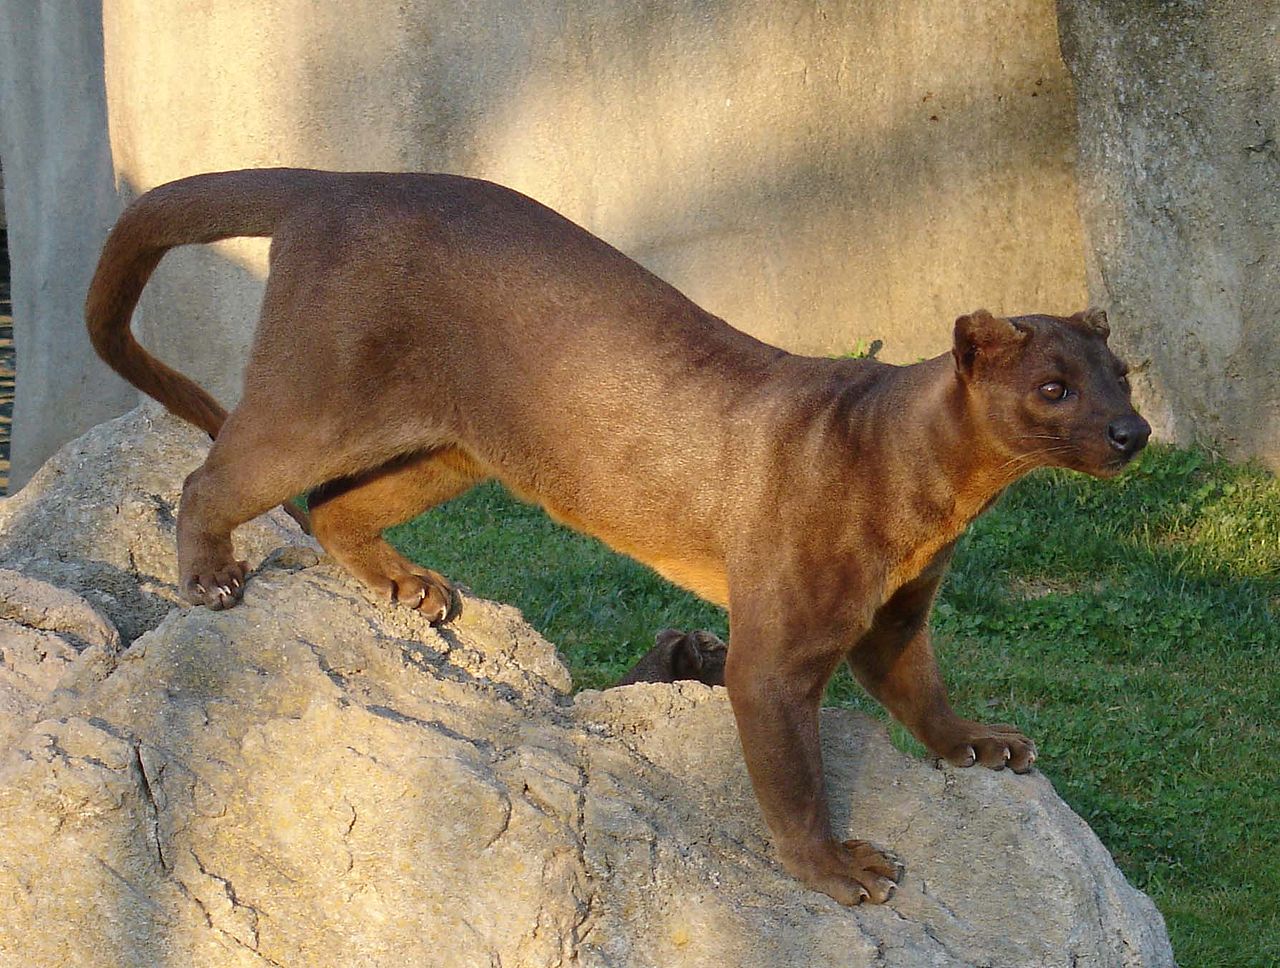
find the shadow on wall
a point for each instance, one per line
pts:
(892, 191)
(862, 173)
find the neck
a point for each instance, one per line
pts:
(951, 468)
(975, 465)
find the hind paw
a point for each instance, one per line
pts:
(851, 871)
(216, 588)
(428, 593)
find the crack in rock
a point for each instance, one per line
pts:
(151, 805)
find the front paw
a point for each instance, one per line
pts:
(994, 747)
(851, 871)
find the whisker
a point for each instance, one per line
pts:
(1015, 464)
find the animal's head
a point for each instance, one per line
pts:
(1049, 390)
(694, 655)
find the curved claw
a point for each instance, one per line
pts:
(217, 587)
(455, 606)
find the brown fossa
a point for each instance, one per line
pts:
(421, 333)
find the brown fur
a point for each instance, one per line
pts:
(421, 333)
(676, 655)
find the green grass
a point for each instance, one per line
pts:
(1131, 627)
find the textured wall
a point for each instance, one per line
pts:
(1180, 195)
(815, 173)
(59, 203)
(819, 175)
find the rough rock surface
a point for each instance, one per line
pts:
(314, 779)
(98, 518)
(43, 630)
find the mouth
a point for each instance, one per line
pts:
(1086, 457)
(1114, 465)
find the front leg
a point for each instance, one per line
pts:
(894, 662)
(777, 669)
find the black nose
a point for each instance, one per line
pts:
(1128, 434)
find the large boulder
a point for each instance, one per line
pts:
(311, 778)
(98, 518)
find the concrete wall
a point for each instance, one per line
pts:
(1180, 192)
(59, 203)
(816, 174)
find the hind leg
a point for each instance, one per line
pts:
(252, 467)
(349, 515)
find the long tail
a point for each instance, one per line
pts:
(203, 208)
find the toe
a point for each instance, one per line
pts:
(884, 888)
(454, 608)
(434, 600)
(1024, 756)
(1021, 750)
(878, 889)
(193, 592)
(874, 870)
(993, 753)
(217, 589)
(876, 861)
(962, 755)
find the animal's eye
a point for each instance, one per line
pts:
(1054, 391)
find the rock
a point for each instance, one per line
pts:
(43, 630)
(98, 518)
(311, 778)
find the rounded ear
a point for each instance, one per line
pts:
(1095, 320)
(981, 335)
(687, 658)
(667, 638)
